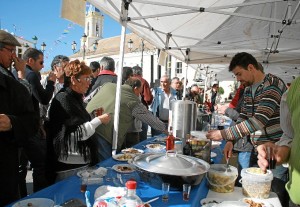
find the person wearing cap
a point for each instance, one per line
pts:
(19, 65)
(17, 118)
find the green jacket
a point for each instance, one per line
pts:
(105, 98)
(293, 100)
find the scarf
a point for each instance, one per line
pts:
(67, 114)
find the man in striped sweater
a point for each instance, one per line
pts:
(259, 118)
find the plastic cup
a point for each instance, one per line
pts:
(186, 189)
(108, 176)
(165, 187)
(83, 186)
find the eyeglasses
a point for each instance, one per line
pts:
(11, 50)
(42, 62)
(87, 79)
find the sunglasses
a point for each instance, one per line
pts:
(42, 62)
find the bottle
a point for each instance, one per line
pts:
(187, 149)
(131, 199)
(170, 141)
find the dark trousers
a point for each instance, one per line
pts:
(155, 132)
(8, 173)
(131, 139)
(34, 151)
(144, 132)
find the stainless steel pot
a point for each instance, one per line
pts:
(184, 118)
(170, 167)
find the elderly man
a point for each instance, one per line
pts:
(130, 107)
(176, 85)
(163, 98)
(107, 74)
(17, 118)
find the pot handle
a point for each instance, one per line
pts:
(171, 151)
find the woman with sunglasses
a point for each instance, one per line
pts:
(70, 126)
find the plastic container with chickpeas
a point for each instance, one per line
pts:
(256, 183)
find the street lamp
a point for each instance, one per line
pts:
(43, 47)
(95, 45)
(35, 39)
(74, 44)
(130, 45)
(84, 37)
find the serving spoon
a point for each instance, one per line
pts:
(227, 165)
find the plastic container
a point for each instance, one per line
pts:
(255, 183)
(220, 180)
(178, 147)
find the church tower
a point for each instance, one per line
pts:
(93, 26)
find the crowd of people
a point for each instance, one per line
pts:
(65, 122)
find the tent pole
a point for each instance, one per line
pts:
(119, 82)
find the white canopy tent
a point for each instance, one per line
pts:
(212, 31)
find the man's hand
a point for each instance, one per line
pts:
(52, 77)
(262, 155)
(20, 66)
(214, 135)
(5, 124)
(281, 154)
(59, 72)
(228, 150)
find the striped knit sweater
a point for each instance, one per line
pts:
(259, 116)
(293, 99)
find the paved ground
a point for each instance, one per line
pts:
(29, 182)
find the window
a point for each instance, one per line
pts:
(178, 67)
(19, 52)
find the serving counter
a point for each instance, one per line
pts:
(70, 187)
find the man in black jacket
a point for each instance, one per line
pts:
(17, 119)
(35, 149)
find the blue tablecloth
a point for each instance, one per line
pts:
(70, 188)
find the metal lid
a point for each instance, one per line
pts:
(171, 164)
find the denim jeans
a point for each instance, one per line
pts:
(104, 148)
(243, 162)
(244, 159)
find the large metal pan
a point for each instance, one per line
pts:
(173, 168)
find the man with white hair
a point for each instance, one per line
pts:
(163, 98)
